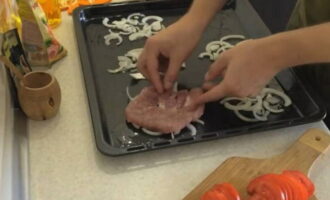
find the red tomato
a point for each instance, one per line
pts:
(213, 195)
(224, 191)
(228, 190)
(304, 180)
(299, 191)
(291, 185)
(267, 186)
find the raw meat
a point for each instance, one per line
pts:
(166, 113)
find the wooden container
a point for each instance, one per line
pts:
(39, 95)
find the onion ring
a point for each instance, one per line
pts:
(153, 133)
(268, 101)
(192, 129)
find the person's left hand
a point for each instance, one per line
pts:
(245, 69)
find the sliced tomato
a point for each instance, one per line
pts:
(213, 195)
(257, 197)
(290, 185)
(299, 190)
(304, 180)
(286, 187)
(224, 191)
(268, 186)
(228, 190)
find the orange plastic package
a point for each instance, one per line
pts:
(70, 5)
(41, 47)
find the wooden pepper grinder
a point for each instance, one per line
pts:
(39, 93)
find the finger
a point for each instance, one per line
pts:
(143, 71)
(208, 86)
(141, 66)
(214, 94)
(223, 73)
(216, 68)
(152, 71)
(172, 72)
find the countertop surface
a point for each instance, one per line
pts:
(65, 164)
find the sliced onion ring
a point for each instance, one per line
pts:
(260, 106)
(153, 133)
(192, 129)
(230, 37)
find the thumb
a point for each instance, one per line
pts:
(172, 72)
(217, 68)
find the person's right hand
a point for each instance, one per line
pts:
(175, 44)
(245, 69)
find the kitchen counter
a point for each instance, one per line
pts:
(65, 164)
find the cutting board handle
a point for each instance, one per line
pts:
(306, 149)
(316, 139)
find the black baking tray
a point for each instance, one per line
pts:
(107, 92)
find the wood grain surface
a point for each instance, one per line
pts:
(239, 171)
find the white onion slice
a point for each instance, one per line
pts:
(287, 100)
(137, 76)
(153, 133)
(215, 48)
(273, 110)
(136, 126)
(124, 64)
(242, 117)
(113, 36)
(226, 44)
(136, 36)
(230, 37)
(131, 27)
(128, 94)
(263, 116)
(133, 18)
(134, 54)
(246, 106)
(156, 26)
(206, 54)
(148, 18)
(192, 129)
(200, 121)
(105, 22)
(268, 101)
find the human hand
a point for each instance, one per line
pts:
(246, 69)
(175, 44)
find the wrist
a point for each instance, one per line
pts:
(193, 24)
(278, 50)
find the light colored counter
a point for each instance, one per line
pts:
(65, 165)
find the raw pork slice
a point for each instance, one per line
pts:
(166, 113)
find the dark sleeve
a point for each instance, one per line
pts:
(231, 4)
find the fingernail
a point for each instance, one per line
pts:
(206, 77)
(167, 85)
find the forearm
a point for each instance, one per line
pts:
(201, 12)
(303, 46)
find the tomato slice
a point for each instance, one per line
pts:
(290, 185)
(228, 190)
(268, 186)
(213, 195)
(303, 179)
(224, 191)
(299, 190)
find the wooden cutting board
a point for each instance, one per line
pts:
(240, 171)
